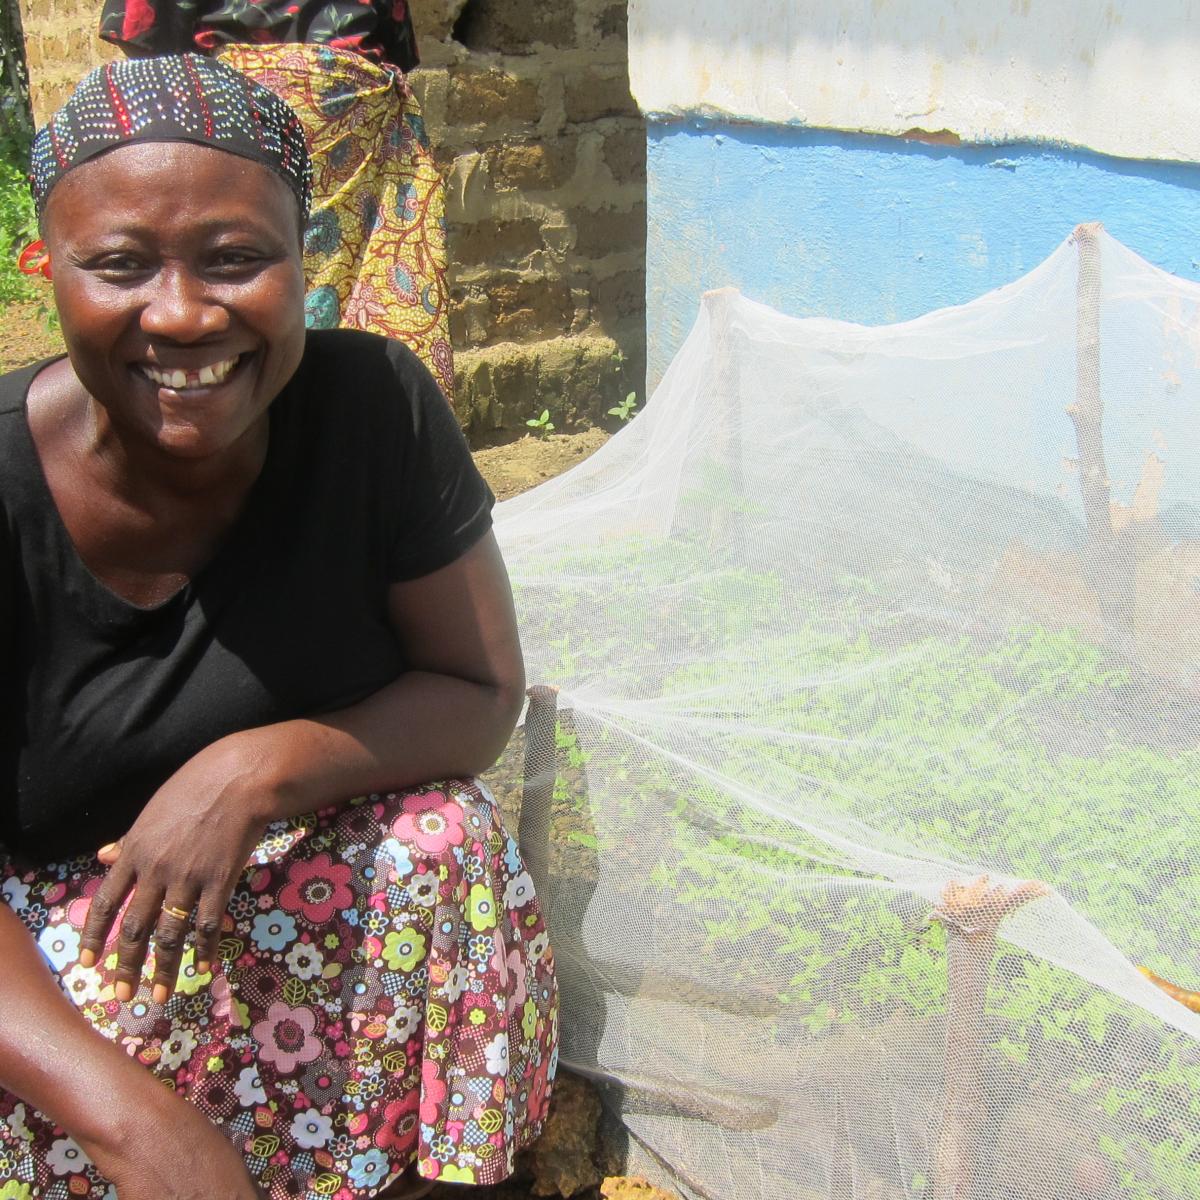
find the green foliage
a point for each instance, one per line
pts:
(18, 224)
(946, 742)
(541, 424)
(623, 411)
(14, 76)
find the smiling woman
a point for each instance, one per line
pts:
(250, 603)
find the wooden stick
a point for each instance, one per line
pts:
(1108, 565)
(971, 913)
(537, 792)
(1187, 998)
(652, 1095)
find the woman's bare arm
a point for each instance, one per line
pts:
(49, 1056)
(450, 713)
(120, 1115)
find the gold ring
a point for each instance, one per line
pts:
(178, 913)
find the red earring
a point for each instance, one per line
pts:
(35, 260)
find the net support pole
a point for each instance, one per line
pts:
(727, 525)
(971, 914)
(1106, 568)
(964, 1117)
(537, 792)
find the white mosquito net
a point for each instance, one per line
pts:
(878, 762)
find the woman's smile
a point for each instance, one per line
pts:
(180, 379)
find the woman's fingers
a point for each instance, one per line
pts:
(139, 922)
(110, 853)
(208, 927)
(149, 915)
(102, 912)
(170, 937)
(159, 914)
(172, 931)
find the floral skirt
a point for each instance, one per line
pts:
(375, 246)
(384, 993)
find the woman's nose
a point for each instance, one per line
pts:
(180, 307)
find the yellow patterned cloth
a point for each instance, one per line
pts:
(375, 245)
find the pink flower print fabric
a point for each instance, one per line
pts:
(432, 824)
(385, 993)
(316, 889)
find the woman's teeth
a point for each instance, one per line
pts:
(179, 380)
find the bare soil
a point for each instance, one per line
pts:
(509, 462)
(516, 465)
(26, 335)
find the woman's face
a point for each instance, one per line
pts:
(179, 284)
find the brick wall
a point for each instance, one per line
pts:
(527, 104)
(60, 46)
(544, 152)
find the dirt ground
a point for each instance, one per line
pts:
(25, 336)
(510, 463)
(515, 466)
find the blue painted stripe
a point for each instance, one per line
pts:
(877, 229)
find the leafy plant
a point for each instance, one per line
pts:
(14, 76)
(541, 424)
(18, 224)
(624, 410)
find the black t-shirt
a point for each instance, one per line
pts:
(367, 481)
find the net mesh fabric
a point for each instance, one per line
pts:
(878, 660)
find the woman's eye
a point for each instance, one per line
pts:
(235, 260)
(119, 264)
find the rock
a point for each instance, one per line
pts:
(564, 1157)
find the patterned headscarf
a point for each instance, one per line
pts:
(175, 98)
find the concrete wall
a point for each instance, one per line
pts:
(872, 162)
(528, 106)
(876, 229)
(1117, 76)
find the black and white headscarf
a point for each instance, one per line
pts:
(173, 98)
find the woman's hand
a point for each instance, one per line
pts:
(179, 862)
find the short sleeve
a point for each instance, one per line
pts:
(445, 505)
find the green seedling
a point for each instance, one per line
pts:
(624, 410)
(542, 424)
(967, 752)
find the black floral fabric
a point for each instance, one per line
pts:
(380, 30)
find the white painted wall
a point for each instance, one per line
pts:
(1117, 76)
